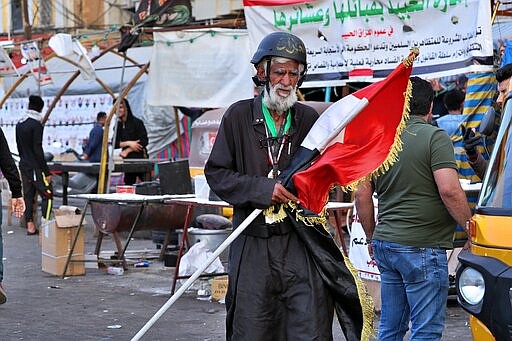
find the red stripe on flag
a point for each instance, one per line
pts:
(274, 2)
(368, 142)
(360, 73)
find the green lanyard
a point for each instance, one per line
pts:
(270, 121)
(274, 150)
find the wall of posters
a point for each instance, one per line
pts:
(68, 126)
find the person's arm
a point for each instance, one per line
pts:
(94, 140)
(117, 141)
(470, 142)
(38, 149)
(365, 210)
(221, 169)
(479, 165)
(8, 167)
(143, 134)
(452, 195)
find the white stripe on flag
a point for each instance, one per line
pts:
(328, 129)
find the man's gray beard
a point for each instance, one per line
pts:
(277, 103)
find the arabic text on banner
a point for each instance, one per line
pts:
(363, 40)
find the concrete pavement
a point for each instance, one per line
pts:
(99, 306)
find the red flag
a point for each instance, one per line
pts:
(368, 145)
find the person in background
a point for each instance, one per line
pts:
(420, 201)
(454, 103)
(10, 172)
(92, 151)
(132, 138)
(274, 290)
(35, 173)
(471, 140)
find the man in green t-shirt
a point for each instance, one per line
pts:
(420, 201)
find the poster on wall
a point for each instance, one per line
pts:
(68, 125)
(7, 68)
(364, 40)
(30, 51)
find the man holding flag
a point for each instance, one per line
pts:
(285, 271)
(274, 292)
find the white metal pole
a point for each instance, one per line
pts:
(198, 272)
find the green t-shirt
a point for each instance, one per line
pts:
(411, 211)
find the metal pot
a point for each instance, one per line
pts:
(213, 239)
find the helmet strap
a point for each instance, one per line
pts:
(267, 75)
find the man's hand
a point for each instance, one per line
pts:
(470, 142)
(281, 195)
(370, 250)
(18, 206)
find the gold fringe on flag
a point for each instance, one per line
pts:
(396, 147)
(365, 299)
(277, 214)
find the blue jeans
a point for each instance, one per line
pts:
(414, 287)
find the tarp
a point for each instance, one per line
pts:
(363, 40)
(200, 68)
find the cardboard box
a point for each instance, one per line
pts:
(57, 236)
(67, 216)
(55, 265)
(219, 288)
(57, 241)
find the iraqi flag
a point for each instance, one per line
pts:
(356, 137)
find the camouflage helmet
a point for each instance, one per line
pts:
(281, 44)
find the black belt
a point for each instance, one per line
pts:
(268, 230)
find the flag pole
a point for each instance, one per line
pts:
(198, 272)
(322, 145)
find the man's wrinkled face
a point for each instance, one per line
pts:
(284, 77)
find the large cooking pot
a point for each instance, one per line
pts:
(115, 216)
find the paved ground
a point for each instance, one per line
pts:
(99, 306)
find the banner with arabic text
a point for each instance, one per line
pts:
(363, 40)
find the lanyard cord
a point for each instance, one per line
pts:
(270, 121)
(274, 149)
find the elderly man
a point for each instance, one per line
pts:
(274, 292)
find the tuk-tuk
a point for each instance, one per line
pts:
(484, 277)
